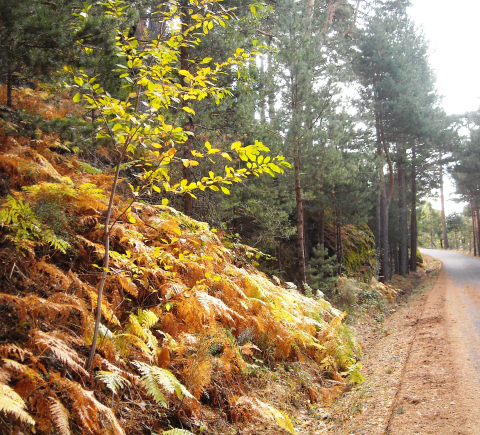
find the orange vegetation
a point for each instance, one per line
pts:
(178, 297)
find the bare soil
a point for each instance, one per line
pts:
(421, 375)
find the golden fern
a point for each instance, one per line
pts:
(154, 379)
(12, 403)
(113, 381)
(263, 409)
(60, 416)
(139, 334)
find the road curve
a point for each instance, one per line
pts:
(460, 268)
(462, 274)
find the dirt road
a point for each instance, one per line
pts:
(423, 376)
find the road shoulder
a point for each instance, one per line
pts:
(417, 374)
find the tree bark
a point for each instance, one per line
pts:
(413, 216)
(442, 203)
(378, 235)
(473, 230)
(321, 234)
(402, 204)
(478, 227)
(300, 225)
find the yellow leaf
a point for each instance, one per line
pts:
(189, 110)
(164, 201)
(76, 98)
(131, 219)
(227, 156)
(225, 190)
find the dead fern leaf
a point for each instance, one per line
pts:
(92, 415)
(60, 416)
(12, 350)
(61, 350)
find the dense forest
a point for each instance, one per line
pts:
(189, 188)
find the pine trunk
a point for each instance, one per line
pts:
(442, 204)
(385, 207)
(478, 227)
(402, 204)
(378, 235)
(473, 230)
(300, 225)
(413, 217)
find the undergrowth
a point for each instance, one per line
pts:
(188, 322)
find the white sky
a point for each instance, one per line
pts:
(453, 31)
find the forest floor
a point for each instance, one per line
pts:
(420, 372)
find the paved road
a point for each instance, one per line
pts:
(461, 268)
(464, 272)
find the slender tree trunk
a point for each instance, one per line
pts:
(402, 203)
(478, 227)
(473, 230)
(106, 261)
(385, 207)
(442, 203)
(188, 145)
(397, 260)
(262, 105)
(378, 235)
(300, 224)
(307, 243)
(271, 90)
(9, 88)
(321, 234)
(413, 216)
(339, 244)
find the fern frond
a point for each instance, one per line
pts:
(60, 416)
(140, 325)
(7, 350)
(89, 168)
(12, 403)
(154, 379)
(137, 342)
(177, 432)
(61, 350)
(127, 284)
(113, 381)
(88, 409)
(263, 409)
(26, 229)
(147, 318)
